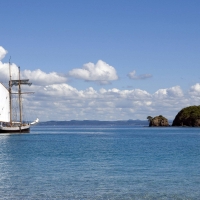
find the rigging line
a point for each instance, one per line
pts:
(10, 91)
(14, 108)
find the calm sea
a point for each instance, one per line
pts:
(101, 163)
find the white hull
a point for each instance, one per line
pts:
(15, 129)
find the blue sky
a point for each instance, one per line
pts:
(157, 40)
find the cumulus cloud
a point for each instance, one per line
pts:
(132, 75)
(37, 77)
(89, 103)
(172, 92)
(195, 90)
(100, 72)
(3, 52)
(64, 102)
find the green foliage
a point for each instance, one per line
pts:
(149, 118)
(191, 111)
(160, 117)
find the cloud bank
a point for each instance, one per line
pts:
(100, 72)
(54, 99)
(64, 102)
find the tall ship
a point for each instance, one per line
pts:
(7, 122)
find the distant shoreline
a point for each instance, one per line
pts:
(144, 123)
(97, 122)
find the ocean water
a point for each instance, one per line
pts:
(57, 162)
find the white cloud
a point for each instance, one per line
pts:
(91, 104)
(132, 75)
(55, 100)
(101, 72)
(37, 77)
(4, 72)
(194, 94)
(64, 102)
(3, 52)
(173, 92)
(195, 90)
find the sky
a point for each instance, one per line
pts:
(103, 59)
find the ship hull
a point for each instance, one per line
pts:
(15, 129)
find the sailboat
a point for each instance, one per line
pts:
(7, 124)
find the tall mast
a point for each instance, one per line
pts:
(20, 100)
(10, 91)
(18, 83)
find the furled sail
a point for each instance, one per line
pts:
(4, 104)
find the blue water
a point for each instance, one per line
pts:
(101, 163)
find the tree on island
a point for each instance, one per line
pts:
(149, 118)
(188, 116)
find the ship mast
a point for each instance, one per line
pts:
(18, 83)
(10, 91)
(20, 100)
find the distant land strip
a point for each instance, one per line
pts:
(97, 123)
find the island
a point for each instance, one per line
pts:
(158, 121)
(189, 116)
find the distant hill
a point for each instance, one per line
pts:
(97, 123)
